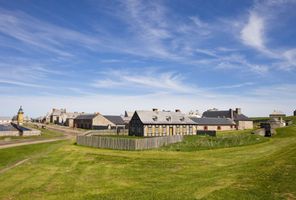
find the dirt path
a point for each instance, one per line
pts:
(14, 165)
(4, 146)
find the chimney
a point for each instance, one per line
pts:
(231, 113)
(177, 110)
(238, 111)
(154, 109)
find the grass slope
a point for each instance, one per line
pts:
(222, 140)
(66, 171)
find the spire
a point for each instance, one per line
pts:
(20, 110)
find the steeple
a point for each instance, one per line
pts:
(20, 110)
(20, 116)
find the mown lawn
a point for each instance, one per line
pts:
(65, 171)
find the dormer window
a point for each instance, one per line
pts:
(182, 119)
(168, 118)
(154, 118)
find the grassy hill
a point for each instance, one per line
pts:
(61, 170)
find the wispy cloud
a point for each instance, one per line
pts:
(23, 84)
(150, 80)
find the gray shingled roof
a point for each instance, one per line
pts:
(225, 114)
(212, 121)
(117, 120)
(163, 117)
(86, 116)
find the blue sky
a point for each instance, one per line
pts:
(111, 56)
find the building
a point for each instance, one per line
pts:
(20, 116)
(98, 121)
(117, 121)
(194, 114)
(276, 119)
(241, 121)
(56, 116)
(127, 118)
(69, 119)
(214, 124)
(161, 123)
(5, 120)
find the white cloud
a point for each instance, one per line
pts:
(252, 33)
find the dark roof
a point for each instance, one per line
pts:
(241, 117)
(225, 114)
(7, 127)
(114, 119)
(215, 114)
(86, 116)
(212, 121)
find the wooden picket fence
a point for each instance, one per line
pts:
(127, 143)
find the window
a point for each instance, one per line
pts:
(178, 130)
(190, 130)
(205, 128)
(164, 129)
(156, 130)
(149, 130)
(219, 128)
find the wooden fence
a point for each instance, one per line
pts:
(127, 143)
(106, 132)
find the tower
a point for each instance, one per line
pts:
(20, 116)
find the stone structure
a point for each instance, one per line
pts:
(20, 116)
(98, 122)
(17, 130)
(276, 119)
(241, 121)
(161, 123)
(214, 124)
(56, 116)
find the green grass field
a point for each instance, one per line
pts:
(62, 170)
(222, 140)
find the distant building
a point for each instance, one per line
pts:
(195, 114)
(214, 124)
(20, 116)
(241, 121)
(161, 123)
(276, 119)
(69, 119)
(117, 121)
(5, 120)
(56, 116)
(127, 117)
(98, 121)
